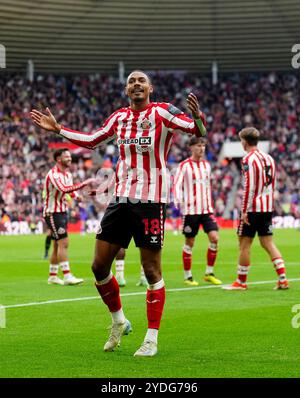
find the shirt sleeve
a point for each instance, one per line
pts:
(248, 173)
(60, 186)
(176, 120)
(91, 140)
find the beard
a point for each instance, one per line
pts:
(138, 100)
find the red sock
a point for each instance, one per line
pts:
(279, 267)
(155, 306)
(187, 258)
(243, 273)
(110, 294)
(211, 257)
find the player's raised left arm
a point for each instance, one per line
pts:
(198, 116)
(177, 121)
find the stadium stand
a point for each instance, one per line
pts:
(90, 36)
(268, 101)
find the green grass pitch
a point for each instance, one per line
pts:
(205, 332)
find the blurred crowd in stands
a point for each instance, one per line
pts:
(270, 102)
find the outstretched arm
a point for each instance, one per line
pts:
(87, 140)
(68, 189)
(46, 122)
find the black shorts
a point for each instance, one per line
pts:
(142, 221)
(58, 224)
(191, 224)
(259, 222)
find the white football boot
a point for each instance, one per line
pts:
(117, 331)
(71, 280)
(147, 349)
(55, 280)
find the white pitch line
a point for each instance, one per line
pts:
(183, 289)
(78, 260)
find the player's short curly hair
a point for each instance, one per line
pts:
(250, 135)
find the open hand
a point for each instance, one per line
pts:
(193, 105)
(244, 218)
(47, 122)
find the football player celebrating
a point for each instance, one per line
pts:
(143, 131)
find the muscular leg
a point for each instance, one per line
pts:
(105, 254)
(190, 242)
(245, 243)
(268, 244)
(151, 262)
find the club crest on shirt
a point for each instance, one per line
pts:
(146, 124)
(143, 149)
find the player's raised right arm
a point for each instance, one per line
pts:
(88, 140)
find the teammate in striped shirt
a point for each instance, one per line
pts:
(192, 193)
(258, 169)
(57, 187)
(143, 132)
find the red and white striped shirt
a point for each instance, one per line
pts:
(144, 139)
(259, 182)
(57, 185)
(192, 187)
